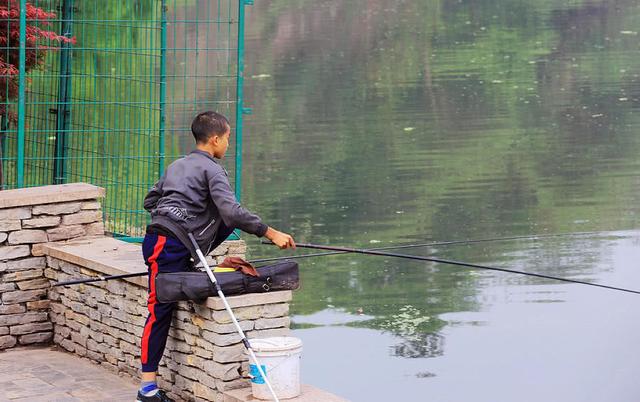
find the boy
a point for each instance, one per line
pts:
(193, 196)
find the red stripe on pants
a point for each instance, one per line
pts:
(152, 296)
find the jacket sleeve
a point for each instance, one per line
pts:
(151, 200)
(232, 213)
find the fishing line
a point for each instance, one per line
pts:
(452, 262)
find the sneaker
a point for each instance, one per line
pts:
(159, 396)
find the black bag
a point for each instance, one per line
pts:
(177, 286)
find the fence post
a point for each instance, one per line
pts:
(21, 92)
(64, 93)
(163, 86)
(240, 109)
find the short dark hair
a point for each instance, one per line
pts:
(208, 124)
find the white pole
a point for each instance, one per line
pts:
(233, 317)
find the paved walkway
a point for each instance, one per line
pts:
(48, 375)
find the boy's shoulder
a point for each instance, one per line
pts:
(198, 162)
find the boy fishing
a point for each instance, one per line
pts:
(194, 196)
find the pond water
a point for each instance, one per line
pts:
(389, 122)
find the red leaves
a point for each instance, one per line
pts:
(36, 32)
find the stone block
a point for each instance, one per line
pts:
(6, 287)
(69, 268)
(58, 308)
(40, 337)
(7, 341)
(126, 347)
(268, 333)
(57, 209)
(68, 345)
(27, 236)
(37, 250)
(9, 225)
(41, 222)
(23, 275)
(13, 252)
(95, 315)
(64, 332)
(4, 330)
(74, 325)
(275, 310)
(90, 205)
(202, 392)
(20, 296)
(51, 274)
(221, 339)
(24, 318)
(79, 318)
(241, 313)
(116, 287)
(31, 328)
(11, 309)
(80, 350)
(233, 384)
(81, 217)
(77, 338)
(266, 323)
(245, 325)
(65, 232)
(94, 229)
(15, 213)
(58, 319)
(225, 372)
(228, 354)
(26, 263)
(3, 237)
(95, 356)
(38, 305)
(252, 299)
(39, 283)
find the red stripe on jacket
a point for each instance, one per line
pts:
(152, 297)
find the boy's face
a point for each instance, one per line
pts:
(220, 143)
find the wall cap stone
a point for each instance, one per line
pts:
(49, 194)
(308, 394)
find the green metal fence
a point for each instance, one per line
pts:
(114, 108)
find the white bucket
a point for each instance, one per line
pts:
(280, 359)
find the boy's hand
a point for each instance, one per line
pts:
(280, 239)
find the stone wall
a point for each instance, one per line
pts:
(103, 321)
(29, 218)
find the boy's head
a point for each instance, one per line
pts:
(211, 131)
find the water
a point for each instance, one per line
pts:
(387, 122)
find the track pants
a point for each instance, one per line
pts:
(161, 254)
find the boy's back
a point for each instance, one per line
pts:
(194, 196)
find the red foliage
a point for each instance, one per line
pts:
(37, 30)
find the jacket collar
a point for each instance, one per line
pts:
(204, 153)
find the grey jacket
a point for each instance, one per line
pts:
(195, 196)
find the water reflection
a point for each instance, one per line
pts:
(385, 122)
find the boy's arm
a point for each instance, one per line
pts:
(231, 212)
(151, 200)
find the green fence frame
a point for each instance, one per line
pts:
(114, 108)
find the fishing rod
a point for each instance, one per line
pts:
(392, 247)
(445, 243)
(452, 262)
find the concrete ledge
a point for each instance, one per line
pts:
(110, 256)
(105, 255)
(309, 394)
(49, 194)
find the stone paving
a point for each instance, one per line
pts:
(46, 374)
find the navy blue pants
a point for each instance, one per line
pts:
(161, 254)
